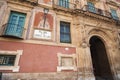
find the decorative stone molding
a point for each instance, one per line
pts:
(85, 44)
(61, 67)
(113, 2)
(14, 68)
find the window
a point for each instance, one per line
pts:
(114, 14)
(64, 3)
(15, 24)
(66, 62)
(65, 36)
(7, 60)
(91, 7)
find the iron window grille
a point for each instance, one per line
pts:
(7, 60)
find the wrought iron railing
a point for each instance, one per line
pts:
(3, 29)
(63, 4)
(98, 11)
(13, 30)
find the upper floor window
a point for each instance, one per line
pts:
(65, 36)
(7, 60)
(15, 25)
(114, 14)
(64, 3)
(91, 7)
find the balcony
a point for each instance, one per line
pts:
(97, 11)
(94, 12)
(63, 5)
(12, 30)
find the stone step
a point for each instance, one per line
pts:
(103, 78)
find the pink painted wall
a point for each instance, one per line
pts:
(36, 57)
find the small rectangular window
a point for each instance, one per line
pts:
(65, 36)
(7, 60)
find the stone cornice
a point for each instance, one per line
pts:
(113, 2)
(20, 3)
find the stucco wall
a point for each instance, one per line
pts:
(36, 57)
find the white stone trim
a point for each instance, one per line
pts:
(14, 68)
(60, 68)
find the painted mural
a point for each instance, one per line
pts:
(39, 21)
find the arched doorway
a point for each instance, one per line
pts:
(100, 62)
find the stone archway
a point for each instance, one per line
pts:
(100, 61)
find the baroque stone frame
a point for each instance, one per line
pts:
(14, 68)
(60, 68)
(105, 37)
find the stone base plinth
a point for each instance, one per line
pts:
(47, 76)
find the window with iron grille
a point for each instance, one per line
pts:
(65, 36)
(7, 60)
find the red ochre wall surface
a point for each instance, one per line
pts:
(36, 57)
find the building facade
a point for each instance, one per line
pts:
(60, 39)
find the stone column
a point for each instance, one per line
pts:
(85, 63)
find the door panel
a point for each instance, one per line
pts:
(100, 61)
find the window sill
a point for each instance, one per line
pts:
(60, 68)
(13, 68)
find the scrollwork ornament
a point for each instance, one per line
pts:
(84, 45)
